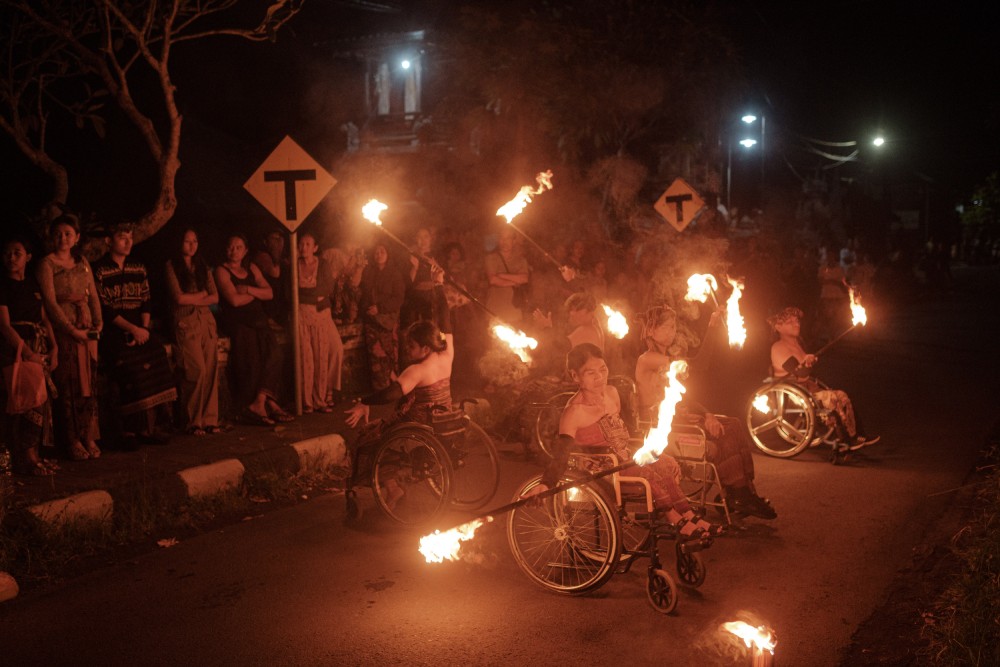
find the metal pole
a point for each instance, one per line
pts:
(729, 179)
(828, 345)
(296, 340)
(540, 248)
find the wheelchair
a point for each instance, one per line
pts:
(574, 541)
(784, 419)
(417, 471)
(699, 476)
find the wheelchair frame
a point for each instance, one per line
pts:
(416, 471)
(573, 542)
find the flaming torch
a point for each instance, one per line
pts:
(760, 640)
(513, 208)
(700, 286)
(617, 325)
(516, 340)
(734, 319)
(656, 439)
(858, 316)
(438, 547)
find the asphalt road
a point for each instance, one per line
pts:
(297, 587)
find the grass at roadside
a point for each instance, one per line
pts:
(36, 553)
(963, 628)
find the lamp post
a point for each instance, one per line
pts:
(748, 143)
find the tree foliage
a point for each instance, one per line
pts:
(66, 58)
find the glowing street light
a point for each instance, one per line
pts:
(749, 118)
(405, 64)
(878, 141)
(748, 143)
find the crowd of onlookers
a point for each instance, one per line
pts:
(85, 367)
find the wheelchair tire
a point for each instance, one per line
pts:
(789, 425)
(476, 467)
(690, 569)
(661, 591)
(569, 543)
(547, 421)
(416, 464)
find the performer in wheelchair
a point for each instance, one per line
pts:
(790, 361)
(728, 444)
(592, 419)
(423, 385)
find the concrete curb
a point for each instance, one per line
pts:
(313, 454)
(8, 587)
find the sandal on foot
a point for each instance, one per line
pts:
(196, 431)
(251, 417)
(281, 416)
(78, 452)
(220, 428)
(93, 450)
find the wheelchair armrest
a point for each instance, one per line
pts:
(686, 441)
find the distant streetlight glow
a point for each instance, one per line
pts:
(749, 143)
(405, 64)
(879, 141)
(749, 118)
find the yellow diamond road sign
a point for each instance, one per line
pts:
(290, 184)
(679, 204)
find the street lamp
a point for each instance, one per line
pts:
(748, 143)
(878, 141)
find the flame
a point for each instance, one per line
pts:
(700, 285)
(858, 314)
(372, 210)
(439, 546)
(516, 340)
(760, 404)
(656, 439)
(513, 208)
(617, 325)
(760, 637)
(734, 319)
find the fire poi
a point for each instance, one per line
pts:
(734, 319)
(617, 324)
(513, 208)
(517, 340)
(449, 541)
(700, 287)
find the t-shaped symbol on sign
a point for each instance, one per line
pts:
(678, 201)
(289, 178)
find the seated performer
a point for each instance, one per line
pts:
(728, 445)
(422, 385)
(592, 419)
(790, 361)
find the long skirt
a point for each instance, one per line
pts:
(731, 453)
(255, 363)
(198, 359)
(74, 377)
(322, 356)
(382, 345)
(143, 375)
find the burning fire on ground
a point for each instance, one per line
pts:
(440, 546)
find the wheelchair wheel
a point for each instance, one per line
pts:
(476, 467)
(690, 569)
(661, 591)
(568, 543)
(547, 421)
(411, 477)
(789, 424)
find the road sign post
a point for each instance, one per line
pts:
(289, 184)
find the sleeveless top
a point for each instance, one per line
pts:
(248, 315)
(418, 405)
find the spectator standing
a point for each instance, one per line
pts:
(135, 357)
(321, 347)
(27, 336)
(274, 264)
(193, 292)
(833, 306)
(418, 304)
(507, 272)
(255, 360)
(73, 307)
(382, 290)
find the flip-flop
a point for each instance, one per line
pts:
(251, 417)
